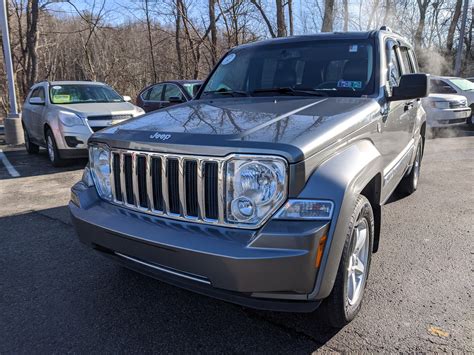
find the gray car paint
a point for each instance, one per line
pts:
(335, 147)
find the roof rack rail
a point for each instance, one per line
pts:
(385, 28)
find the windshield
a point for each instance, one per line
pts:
(462, 84)
(78, 94)
(327, 68)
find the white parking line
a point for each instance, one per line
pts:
(11, 170)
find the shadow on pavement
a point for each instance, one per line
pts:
(34, 164)
(59, 296)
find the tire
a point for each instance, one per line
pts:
(409, 183)
(52, 149)
(31, 147)
(345, 300)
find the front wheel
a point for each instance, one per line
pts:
(345, 300)
(53, 152)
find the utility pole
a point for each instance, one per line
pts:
(457, 66)
(13, 129)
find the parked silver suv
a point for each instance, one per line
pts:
(62, 115)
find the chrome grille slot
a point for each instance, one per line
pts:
(210, 190)
(190, 171)
(156, 184)
(141, 177)
(116, 177)
(128, 177)
(174, 186)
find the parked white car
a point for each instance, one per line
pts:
(62, 115)
(445, 110)
(453, 85)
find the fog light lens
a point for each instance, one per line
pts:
(306, 209)
(243, 208)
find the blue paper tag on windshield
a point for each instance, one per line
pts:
(349, 84)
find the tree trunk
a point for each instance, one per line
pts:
(328, 19)
(213, 30)
(422, 6)
(32, 14)
(280, 12)
(388, 13)
(177, 41)
(452, 26)
(346, 15)
(150, 41)
(290, 16)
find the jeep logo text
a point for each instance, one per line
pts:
(160, 136)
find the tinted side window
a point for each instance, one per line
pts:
(440, 87)
(407, 64)
(393, 67)
(155, 93)
(172, 91)
(38, 92)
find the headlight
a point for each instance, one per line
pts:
(70, 119)
(139, 111)
(99, 160)
(255, 188)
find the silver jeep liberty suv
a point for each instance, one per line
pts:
(266, 190)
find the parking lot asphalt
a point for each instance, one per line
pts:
(58, 296)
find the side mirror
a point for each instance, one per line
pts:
(175, 100)
(127, 98)
(36, 101)
(196, 89)
(411, 86)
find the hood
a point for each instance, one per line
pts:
(288, 126)
(99, 108)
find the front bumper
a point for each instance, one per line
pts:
(447, 118)
(272, 268)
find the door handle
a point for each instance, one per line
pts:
(408, 105)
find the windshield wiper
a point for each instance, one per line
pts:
(292, 91)
(227, 92)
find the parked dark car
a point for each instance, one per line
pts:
(167, 93)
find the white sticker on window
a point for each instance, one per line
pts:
(353, 48)
(228, 59)
(56, 87)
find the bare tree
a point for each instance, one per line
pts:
(213, 30)
(259, 7)
(280, 14)
(328, 19)
(452, 26)
(422, 7)
(290, 17)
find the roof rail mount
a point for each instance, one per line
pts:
(386, 28)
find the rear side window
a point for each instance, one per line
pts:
(172, 91)
(440, 87)
(155, 93)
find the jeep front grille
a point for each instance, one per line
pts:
(175, 186)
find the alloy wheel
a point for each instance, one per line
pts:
(357, 269)
(416, 168)
(50, 148)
